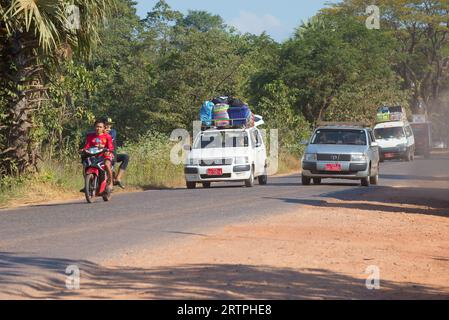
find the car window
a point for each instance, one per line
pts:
(370, 139)
(408, 131)
(340, 136)
(371, 136)
(218, 140)
(389, 133)
(254, 138)
(259, 137)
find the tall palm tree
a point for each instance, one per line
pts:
(33, 32)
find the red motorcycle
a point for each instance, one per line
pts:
(95, 176)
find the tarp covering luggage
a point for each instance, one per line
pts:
(221, 100)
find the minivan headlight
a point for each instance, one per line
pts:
(402, 147)
(241, 160)
(310, 157)
(358, 157)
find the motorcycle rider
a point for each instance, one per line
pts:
(100, 139)
(121, 158)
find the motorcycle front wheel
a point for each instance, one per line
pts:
(106, 196)
(89, 187)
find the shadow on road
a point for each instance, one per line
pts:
(412, 177)
(202, 281)
(427, 201)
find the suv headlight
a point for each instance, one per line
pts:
(241, 160)
(310, 157)
(358, 157)
(194, 162)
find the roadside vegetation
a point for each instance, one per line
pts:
(151, 76)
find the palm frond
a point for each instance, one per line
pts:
(37, 17)
(47, 19)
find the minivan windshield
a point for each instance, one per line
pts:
(340, 136)
(221, 139)
(389, 133)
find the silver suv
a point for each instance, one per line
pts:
(340, 151)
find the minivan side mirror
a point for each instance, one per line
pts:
(375, 144)
(304, 142)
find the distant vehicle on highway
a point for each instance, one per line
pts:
(396, 140)
(227, 155)
(341, 151)
(423, 138)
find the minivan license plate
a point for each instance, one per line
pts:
(215, 172)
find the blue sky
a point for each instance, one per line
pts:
(278, 17)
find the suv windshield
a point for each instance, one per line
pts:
(340, 136)
(389, 133)
(220, 139)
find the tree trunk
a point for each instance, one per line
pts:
(24, 82)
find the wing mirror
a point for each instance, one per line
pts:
(187, 148)
(375, 144)
(304, 142)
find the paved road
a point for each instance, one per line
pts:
(78, 231)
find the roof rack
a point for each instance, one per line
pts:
(231, 124)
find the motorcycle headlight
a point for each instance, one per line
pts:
(310, 157)
(358, 157)
(241, 160)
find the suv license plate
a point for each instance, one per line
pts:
(215, 172)
(333, 167)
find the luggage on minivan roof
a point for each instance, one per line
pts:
(221, 100)
(387, 114)
(226, 112)
(206, 113)
(221, 115)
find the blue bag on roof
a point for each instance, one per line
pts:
(206, 113)
(240, 116)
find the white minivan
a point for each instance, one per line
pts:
(396, 140)
(227, 155)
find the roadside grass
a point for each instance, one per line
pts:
(289, 163)
(149, 168)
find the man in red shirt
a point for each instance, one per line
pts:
(100, 139)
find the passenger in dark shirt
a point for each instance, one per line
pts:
(121, 158)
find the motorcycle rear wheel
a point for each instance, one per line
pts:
(89, 187)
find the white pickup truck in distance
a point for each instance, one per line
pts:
(227, 155)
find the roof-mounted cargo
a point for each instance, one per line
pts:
(388, 114)
(228, 113)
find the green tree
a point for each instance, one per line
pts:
(123, 68)
(203, 21)
(277, 109)
(421, 28)
(332, 55)
(31, 32)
